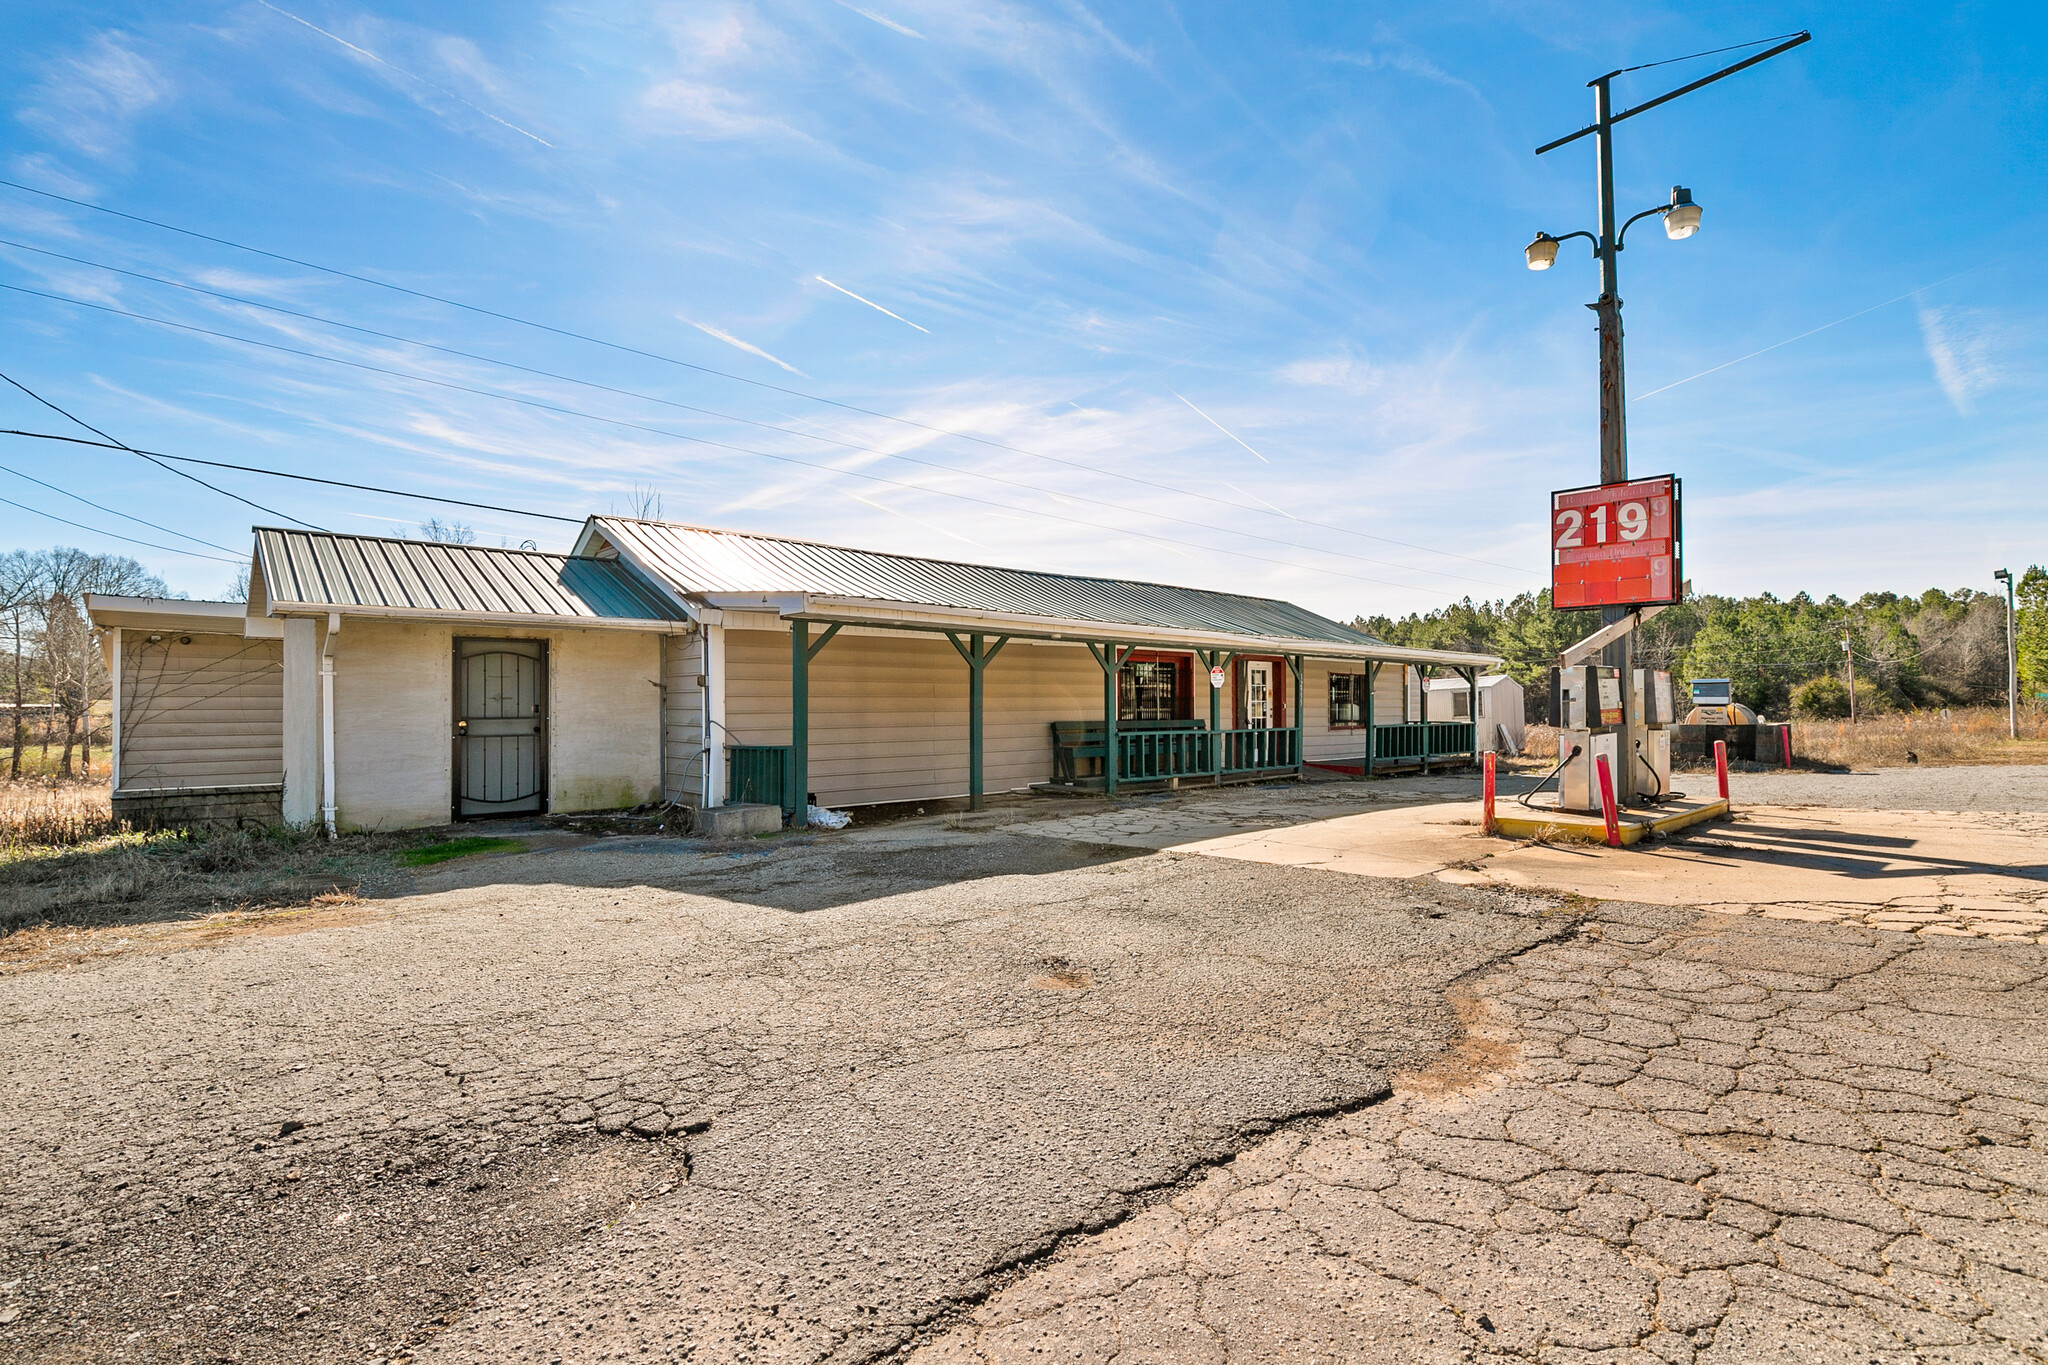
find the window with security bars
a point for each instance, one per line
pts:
(1149, 690)
(1347, 699)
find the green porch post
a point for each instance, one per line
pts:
(1217, 658)
(1422, 683)
(1300, 720)
(1109, 658)
(1472, 678)
(801, 652)
(978, 661)
(1372, 734)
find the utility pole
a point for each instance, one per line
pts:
(1850, 655)
(1682, 220)
(2012, 659)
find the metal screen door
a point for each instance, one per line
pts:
(501, 721)
(1258, 694)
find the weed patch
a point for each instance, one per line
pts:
(451, 849)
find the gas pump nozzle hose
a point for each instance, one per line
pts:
(1524, 798)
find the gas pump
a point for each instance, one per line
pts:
(1589, 715)
(1655, 715)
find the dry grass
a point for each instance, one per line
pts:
(50, 813)
(65, 860)
(1972, 735)
(1968, 736)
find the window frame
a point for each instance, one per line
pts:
(1183, 687)
(1362, 683)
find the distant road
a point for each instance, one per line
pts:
(1986, 788)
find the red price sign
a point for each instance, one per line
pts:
(1615, 544)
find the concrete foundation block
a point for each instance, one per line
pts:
(739, 821)
(250, 807)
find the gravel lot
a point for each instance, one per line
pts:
(1987, 787)
(830, 1098)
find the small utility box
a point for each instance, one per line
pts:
(741, 820)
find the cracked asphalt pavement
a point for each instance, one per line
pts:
(892, 1069)
(1712, 1139)
(982, 1096)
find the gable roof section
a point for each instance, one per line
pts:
(373, 575)
(701, 562)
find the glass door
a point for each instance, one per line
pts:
(1258, 694)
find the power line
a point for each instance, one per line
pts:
(302, 478)
(123, 445)
(110, 511)
(742, 450)
(687, 407)
(706, 369)
(38, 512)
(1711, 52)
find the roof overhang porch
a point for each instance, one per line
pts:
(1134, 755)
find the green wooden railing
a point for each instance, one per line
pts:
(1250, 751)
(760, 773)
(1422, 742)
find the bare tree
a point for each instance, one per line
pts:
(19, 588)
(448, 532)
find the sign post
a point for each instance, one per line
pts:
(1616, 547)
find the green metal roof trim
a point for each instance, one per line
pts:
(694, 559)
(339, 572)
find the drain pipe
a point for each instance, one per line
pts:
(327, 808)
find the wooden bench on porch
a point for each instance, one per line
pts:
(1079, 742)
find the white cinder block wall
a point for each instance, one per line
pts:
(394, 719)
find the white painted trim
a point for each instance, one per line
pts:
(114, 725)
(479, 618)
(327, 807)
(715, 733)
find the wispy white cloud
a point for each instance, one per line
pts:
(749, 347)
(91, 101)
(870, 303)
(1959, 343)
(469, 62)
(884, 20)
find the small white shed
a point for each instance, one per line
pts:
(1500, 708)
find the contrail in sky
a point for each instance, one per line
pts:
(870, 303)
(1220, 427)
(1804, 335)
(365, 52)
(884, 20)
(749, 347)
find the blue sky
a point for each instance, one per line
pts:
(1219, 294)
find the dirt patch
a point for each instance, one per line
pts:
(356, 1261)
(1485, 1050)
(45, 946)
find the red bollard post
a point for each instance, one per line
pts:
(1486, 822)
(1785, 733)
(1721, 765)
(1607, 803)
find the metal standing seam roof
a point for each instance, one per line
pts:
(694, 559)
(339, 572)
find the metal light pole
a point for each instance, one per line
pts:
(2012, 659)
(1681, 220)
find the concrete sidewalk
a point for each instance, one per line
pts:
(1973, 873)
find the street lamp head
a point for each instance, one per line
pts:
(1682, 219)
(1541, 254)
(2002, 575)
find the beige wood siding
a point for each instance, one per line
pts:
(1322, 744)
(394, 707)
(208, 713)
(889, 711)
(682, 721)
